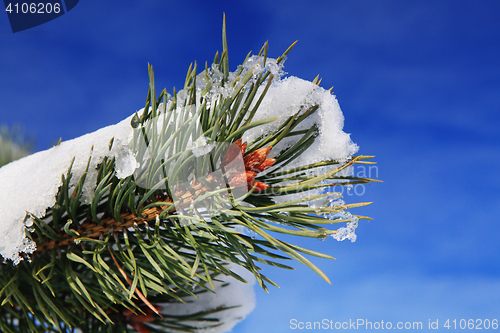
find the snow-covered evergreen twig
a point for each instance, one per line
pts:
(172, 199)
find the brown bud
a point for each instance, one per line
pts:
(267, 164)
(142, 318)
(232, 152)
(243, 148)
(128, 312)
(259, 186)
(242, 179)
(141, 328)
(255, 159)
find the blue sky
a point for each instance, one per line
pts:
(418, 82)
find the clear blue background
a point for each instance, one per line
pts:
(418, 82)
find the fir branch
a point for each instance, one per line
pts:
(168, 231)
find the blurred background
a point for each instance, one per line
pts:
(418, 83)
